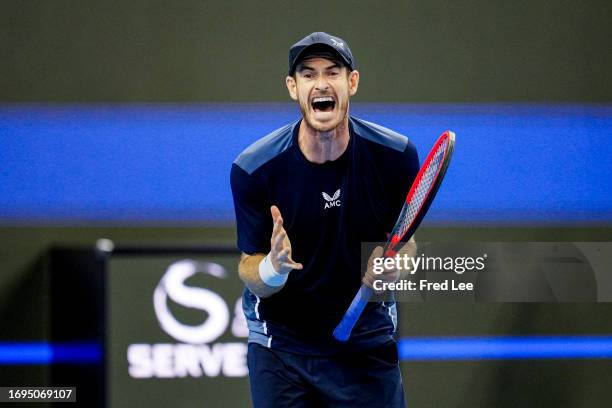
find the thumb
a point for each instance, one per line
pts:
(376, 253)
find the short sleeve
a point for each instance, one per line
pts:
(253, 219)
(405, 170)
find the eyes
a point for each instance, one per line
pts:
(333, 73)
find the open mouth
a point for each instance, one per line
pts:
(323, 104)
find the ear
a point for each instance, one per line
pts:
(291, 87)
(353, 80)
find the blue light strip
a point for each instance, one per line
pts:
(410, 349)
(46, 353)
(505, 348)
(170, 163)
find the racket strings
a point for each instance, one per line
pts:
(411, 209)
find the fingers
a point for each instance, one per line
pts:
(285, 260)
(277, 226)
(278, 232)
(284, 254)
(275, 213)
(386, 275)
(280, 246)
(279, 240)
(376, 253)
(410, 247)
(291, 265)
(368, 280)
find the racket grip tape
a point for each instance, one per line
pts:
(343, 331)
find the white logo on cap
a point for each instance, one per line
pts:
(337, 43)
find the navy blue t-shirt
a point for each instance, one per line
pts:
(328, 210)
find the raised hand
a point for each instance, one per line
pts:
(280, 246)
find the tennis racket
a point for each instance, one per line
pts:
(417, 203)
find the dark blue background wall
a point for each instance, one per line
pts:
(513, 164)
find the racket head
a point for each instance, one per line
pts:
(423, 191)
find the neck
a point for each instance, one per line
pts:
(320, 147)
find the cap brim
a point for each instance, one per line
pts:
(324, 51)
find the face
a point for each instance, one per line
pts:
(322, 89)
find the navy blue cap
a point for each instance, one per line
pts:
(320, 44)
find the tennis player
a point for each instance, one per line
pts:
(306, 196)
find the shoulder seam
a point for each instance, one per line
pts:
(379, 134)
(266, 148)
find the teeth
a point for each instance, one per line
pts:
(323, 99)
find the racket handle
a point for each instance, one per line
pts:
(343, 331)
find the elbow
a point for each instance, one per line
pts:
(248, 267)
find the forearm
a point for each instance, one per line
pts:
(248, 269)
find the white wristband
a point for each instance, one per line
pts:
(269, 276)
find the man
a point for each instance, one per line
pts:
(306, 196)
